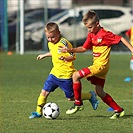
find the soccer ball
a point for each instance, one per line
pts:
(51, 110)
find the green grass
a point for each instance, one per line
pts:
(21, 80)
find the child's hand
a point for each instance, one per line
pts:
(62, 58)
(39, 57)
(63, 49)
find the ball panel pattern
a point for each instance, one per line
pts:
(51, 110)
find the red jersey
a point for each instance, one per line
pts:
(100, 44)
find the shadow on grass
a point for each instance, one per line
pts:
(77, 117)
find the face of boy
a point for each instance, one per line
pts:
(53, 36)
(92, 27)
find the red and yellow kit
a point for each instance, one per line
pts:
(100, 44)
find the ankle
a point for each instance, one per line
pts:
(78, 103)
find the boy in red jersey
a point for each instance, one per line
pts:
(61, 73)
(99, 41)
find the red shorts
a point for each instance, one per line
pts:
(93, 79)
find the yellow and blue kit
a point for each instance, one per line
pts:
(61, 73)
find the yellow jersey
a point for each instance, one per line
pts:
(61, 69)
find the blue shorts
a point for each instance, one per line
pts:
(53, 83)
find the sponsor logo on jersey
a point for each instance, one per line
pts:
(96, 54)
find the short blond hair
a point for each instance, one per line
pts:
(90, 16)
(51, 27)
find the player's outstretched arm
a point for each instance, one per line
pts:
(41, 56)
(79, 49)
(127, 44)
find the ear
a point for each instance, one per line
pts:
(98, 24)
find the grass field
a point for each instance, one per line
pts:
(21, 80)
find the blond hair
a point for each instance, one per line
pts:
(90, 16)
(51, 27)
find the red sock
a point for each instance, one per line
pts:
(77, 93)
(110, 102)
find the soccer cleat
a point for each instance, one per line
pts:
(74, 109)
(35, 115)
(118, 114)
(93, 100)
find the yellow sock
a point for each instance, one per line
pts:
(40, 103)
(86, 96)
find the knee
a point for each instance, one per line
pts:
(75, 76)
(44, 93)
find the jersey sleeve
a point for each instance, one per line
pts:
(70, 46)
(111, 38)
(67, 44)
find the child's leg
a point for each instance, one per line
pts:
(110, 102)
(79, 97)
(90, 96)
(106, 98)
(86, 96)
(41, 101)
(77, 93)
(77, 87)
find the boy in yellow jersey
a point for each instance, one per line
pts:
(99, 41)
(61, 73)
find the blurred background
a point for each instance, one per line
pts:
(22, 21)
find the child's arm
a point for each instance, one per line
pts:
(79, 49)
(67, 59)
(126, 43)
(41, 56)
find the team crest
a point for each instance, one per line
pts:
(99, 40)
